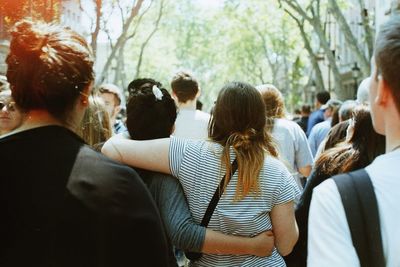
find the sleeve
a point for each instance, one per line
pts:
(303, 151)
(312, 141)
(181, 229)
(288, 190)
(177, 151)
(329, 238)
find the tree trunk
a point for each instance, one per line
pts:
(96, 31)
(121, 39)
(351, 40)
(319, 80)
(369, 34)
(144, 44)
(316, 23)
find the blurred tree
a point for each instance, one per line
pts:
(12, 11)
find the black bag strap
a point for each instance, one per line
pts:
(359, 202)
(217, 195)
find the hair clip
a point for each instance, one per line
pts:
(157, 92)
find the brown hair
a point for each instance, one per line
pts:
(95, 127)
(184, 86)
(48, 67)
(359, 151)
(387, 56)
(238, 121)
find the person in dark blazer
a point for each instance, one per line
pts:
(62, 203)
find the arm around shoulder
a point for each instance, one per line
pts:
(149, 154)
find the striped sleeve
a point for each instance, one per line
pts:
(176, 152)
(288, 189)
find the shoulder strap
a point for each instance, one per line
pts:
(216, 196)
(359, 202)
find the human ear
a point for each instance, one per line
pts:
(85, 94)
(383, 93)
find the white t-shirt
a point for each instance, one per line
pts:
(198, 167)
(329, 238)
(292, 144)
(192, 124)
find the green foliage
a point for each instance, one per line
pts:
(252, 41)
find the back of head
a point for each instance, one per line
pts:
(239, 109)
(364, 138)
(95, 127)
(151, 112)
(387, 56)
(305, 110)
(273, 99)
(138, 84)
(363, 146)
(184, 86)
(238, 121)
(48, 67)
(323, 97)
(363, 91)
(346, 110)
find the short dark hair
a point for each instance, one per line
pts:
(137, 84)
(306, 109)
(323, 97)
(149, 117)
(184, 86)
(48, 67)
(199, 105)
(387, 55)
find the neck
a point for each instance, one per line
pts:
(392, 131)
(190, 104)
(37, 118)
(392, 139)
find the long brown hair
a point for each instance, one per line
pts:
(238, 121)
(358, 151)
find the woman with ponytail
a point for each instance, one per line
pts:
(258, 197)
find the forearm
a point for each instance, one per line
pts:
(219, 243)
(285, 244)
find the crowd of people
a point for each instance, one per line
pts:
(84, 185)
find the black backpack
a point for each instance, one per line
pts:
(359, 202)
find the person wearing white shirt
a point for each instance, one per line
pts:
(330, 242)
(190, 123)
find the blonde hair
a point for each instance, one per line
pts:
(95, 127)
(274, 103)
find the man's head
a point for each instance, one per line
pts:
(305, 110)
(184, 87)
(385, 81)
(322, 98)
(112, 96)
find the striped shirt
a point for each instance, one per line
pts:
(197, 165)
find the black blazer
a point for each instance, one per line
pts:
(63, 204)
